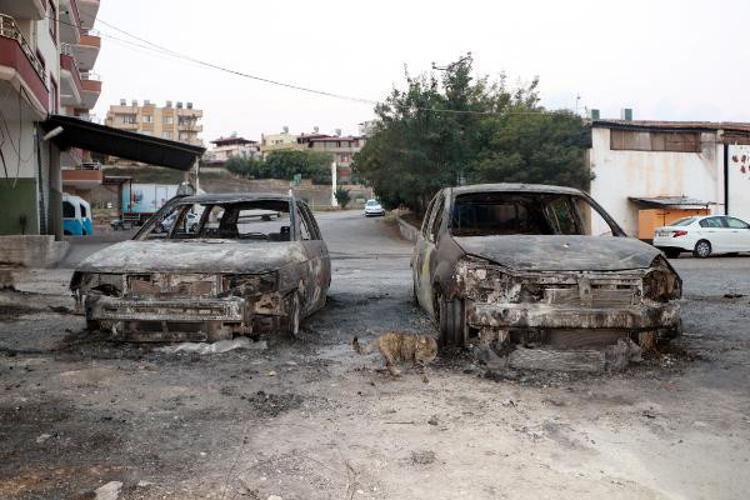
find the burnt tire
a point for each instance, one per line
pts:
(672, 253)
(702, 249)
(451, 322)
(93, 326)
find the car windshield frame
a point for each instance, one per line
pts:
(178, 211)
(573, 201)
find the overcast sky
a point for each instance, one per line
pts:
(667, 59)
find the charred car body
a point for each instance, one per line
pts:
(233, 272)
(518, 263)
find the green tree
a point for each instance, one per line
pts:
(450, 127)
(343, 197)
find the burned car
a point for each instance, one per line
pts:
(538, 264)
(236, 271)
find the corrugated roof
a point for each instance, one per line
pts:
(671, 201)
(673, 125)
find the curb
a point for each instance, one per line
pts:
(408, 232)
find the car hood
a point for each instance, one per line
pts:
(561, 253)
(202, 256)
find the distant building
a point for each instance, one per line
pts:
(278, 142)
(650, 173)
(233, 146)
(343, 150)
(176, 123)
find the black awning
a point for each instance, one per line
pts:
(77, 133)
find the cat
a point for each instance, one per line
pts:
(420, 350)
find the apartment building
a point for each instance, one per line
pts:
(47, 54)
(278, 141)
(233, 146)
(176, 122)
(342, 148)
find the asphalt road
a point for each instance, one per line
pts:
(308, 418)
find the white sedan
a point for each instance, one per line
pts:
(706, 235)
(373, 207)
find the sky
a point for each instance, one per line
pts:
(665, 59)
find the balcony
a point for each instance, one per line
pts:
(81, 178)
(91, 90)
(86, 51)
(71, 88)
(20, 66)
(24, 9)
(89, 9)
(70, 22)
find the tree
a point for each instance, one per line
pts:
(343, 197)
(285, 164)
(453, 128)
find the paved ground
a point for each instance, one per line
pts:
(308, 419)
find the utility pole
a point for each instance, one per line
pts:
(334, 201)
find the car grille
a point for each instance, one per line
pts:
(173, 285)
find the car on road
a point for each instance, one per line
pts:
(703, 236)
(231, 273)
(519, 263)
(374, 208)
(190, 220)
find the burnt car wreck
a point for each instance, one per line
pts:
(517, 265)
(234, 272)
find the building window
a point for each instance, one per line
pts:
(168, 120)
(128, 119)
(631, 140)
(53, 21)
(148, 118)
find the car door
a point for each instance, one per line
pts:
(319, 262)
(713, 230)
(739, 234)
(425, 253)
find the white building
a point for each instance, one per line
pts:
(649, 173)
(233, 146)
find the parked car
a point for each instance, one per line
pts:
(190, 220)
(519, 262)
(77, 220)
(233, 274)
(373, 207)
(703, 236)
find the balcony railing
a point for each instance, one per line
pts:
(9, 29)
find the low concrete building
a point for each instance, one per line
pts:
(649, 173)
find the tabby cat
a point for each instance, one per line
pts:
(420, 350)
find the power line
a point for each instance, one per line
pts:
(165, 51)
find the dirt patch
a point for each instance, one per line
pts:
(265, 405)
(10, 312)
(422, 457)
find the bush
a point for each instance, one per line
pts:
(343, 197)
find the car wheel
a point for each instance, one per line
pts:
(451, 320)
(702, 249)
(672, 253)
(294, 315)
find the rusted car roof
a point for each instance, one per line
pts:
(514, 187)
(234, 197)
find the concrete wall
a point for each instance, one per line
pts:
(739, 182)
(32, 251)
(624, 174)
